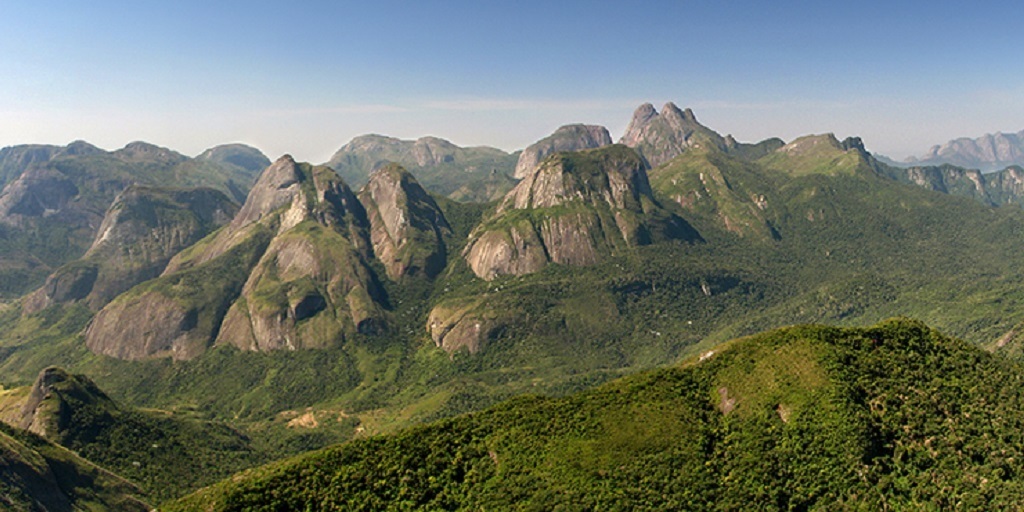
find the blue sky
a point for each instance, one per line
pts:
(305, 77)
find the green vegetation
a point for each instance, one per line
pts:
(818, 235)
(36, 474)
(896, 416)
(57, 198)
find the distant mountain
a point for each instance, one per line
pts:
(572, 137)
(989, 152)
(142, 230)
(442, 167)
(662, 136)
(55, 197)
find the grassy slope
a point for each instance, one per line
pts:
(895, 415)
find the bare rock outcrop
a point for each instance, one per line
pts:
(466, 324)
(573, 137)
(407, 228)
(660, 137)
(574, 209)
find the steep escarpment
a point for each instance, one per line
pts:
(140, 233)
(407, 228)
(994, 189)
(166, 454)
(290, 271)
(36, 474)
(574, 209)
(572, 137)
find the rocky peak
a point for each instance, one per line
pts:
(407, 228)
(641, 116)
(291, 271)
(573, 137)
(54, 393)
(274, 188)
(617, 177)
(574, 209)
(660, 137)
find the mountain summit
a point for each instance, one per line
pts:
(660, 137)
(571, 137)
(573, 209)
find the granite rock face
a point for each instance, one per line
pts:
(660, 137)
(407, 228)
(574, 209)
(290, 271)
(573, 137)
(140, 233)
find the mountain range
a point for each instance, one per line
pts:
(990, 152)
(366, 295)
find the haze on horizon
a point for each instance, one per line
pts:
(305, 77)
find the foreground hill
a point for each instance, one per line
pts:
(38, 475)
(164, 454)
(889, 417)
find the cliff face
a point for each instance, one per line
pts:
(573, 137)
(141, 231)
(407, 228)
(994, 189)
(290, 271)
(574, 209)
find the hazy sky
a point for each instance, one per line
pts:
(305, 77)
